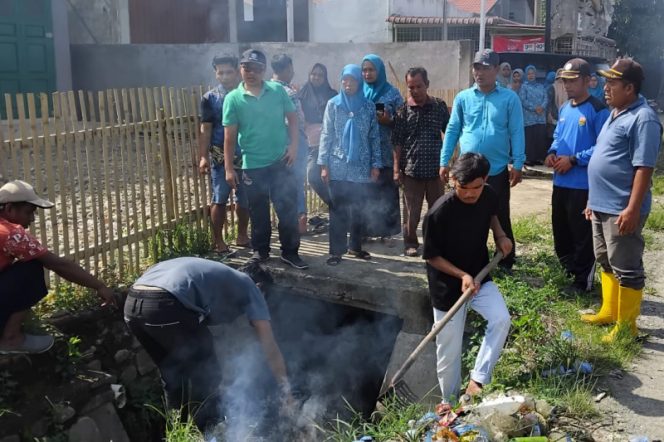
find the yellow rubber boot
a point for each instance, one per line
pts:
(629, 308)
(608, 313)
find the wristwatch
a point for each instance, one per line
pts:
(573, 160)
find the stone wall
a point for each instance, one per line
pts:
(91, 392)
(99, 67)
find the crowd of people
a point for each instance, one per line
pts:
(261, 140)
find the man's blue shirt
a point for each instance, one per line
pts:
(628, 140)
(217, 292)
(576, 135)
(490, 124)
(212, 104)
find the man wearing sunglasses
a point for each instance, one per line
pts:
(255, 116)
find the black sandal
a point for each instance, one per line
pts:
(333, 260)
(361, 254)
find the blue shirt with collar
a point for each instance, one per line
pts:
(628, 140)
(487, 123)
(212, 103)
(575, 135)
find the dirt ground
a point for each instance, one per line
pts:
(635, 401)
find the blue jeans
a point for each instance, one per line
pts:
(275, 182)
(489, 303)
(221, 191)
(346, 216)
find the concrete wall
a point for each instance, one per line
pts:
(98, 21)
(426, 8)
(346, 21)
(61, 45)
(97, 67)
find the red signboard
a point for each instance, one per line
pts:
(505, 43)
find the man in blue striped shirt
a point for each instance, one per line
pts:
(488, 119)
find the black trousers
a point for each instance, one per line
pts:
(572, 235)
(383, 214)
(313, 176)
(275, 182)
(182, 348)
(22, 285)
(501, 184)
(346, 216)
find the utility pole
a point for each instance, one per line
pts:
(482, 23)
(547, 26)
(444, 19)
(290, 21)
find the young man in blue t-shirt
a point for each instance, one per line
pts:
(619, 177)
(580, 120)
(211, 152)
(455, 230)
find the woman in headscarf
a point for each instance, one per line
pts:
(534, 101)
(350, 159)
(314, 96)
(505, 74)
(517, 79)
(384, 215)
(596, 87)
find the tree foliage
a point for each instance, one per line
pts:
(637, 29)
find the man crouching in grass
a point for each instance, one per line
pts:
(456, 229)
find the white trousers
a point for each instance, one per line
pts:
(489, 303)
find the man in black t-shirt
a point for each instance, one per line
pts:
(456, 229)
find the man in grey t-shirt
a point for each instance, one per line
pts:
(169, 310)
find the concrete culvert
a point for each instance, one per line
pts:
(337, 357)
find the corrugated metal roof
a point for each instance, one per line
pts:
(455, 21)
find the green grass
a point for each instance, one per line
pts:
(542, 307)
(658, 185)
(655, 220)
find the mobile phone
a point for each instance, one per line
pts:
(380, 107)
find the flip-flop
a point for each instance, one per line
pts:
(333, 260)
(225, 254)
(362, 254)
(410, 251)
(245, 245)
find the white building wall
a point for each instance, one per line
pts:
(343, 21)
(425, 8)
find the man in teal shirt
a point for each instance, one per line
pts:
(488, 119)
(255, 114)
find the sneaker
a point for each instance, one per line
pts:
(295, 261)
(33, 344)
(259, 257)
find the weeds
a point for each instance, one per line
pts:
(8, 391)
(655, 220)
(180, 427)
(68, 361)
(184, 239)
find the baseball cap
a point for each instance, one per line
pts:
(253, 56)
(18, 191)
(574, 68)
(624, 69)
(486, 57)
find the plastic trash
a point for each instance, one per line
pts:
(583, 367)
(530, 439)
(504, 405)
(567, 336)
(638, 438)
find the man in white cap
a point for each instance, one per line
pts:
(22, 263)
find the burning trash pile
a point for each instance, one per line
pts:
(499, 418)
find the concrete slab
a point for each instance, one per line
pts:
(388, 283)
(421, 378)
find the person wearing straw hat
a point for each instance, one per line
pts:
(22, 263)
(619, 198)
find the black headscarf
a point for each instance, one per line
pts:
(314, 99)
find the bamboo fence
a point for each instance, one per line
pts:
(120, 165)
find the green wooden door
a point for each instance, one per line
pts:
(26, 48)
